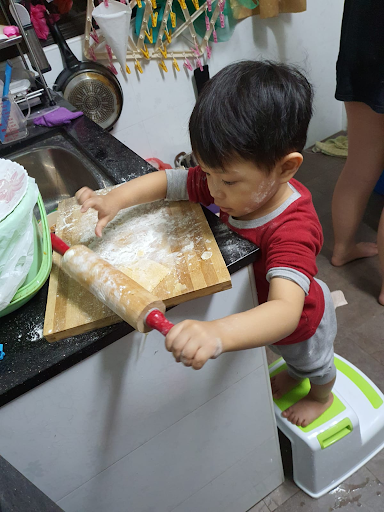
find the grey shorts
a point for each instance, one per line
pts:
(313, 358)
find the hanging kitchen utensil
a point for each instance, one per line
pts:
(114, 22)
(30, 34)
(88, 86)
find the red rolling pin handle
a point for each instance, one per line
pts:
(58, 245)
(156, 320)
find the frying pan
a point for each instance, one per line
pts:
(88, 86)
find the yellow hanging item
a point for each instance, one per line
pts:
(168, 35)
(196, 4)
(163, 51)
(149, 36)
(145, 52)
(127, 69)
(138, 67)
(138, 3)
(154, 16)
(163, 66)
(154, 4)
(174, 62)
(182, 3)
(173, 19)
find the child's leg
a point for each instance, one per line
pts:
(309, 408)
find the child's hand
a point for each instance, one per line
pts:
(104, 205)
(193, 342)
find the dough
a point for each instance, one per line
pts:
(147, 273)
(206, 255)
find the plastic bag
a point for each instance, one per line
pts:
(17, 245)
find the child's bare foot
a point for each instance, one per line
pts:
(282, 383)
(361, 250)
(307, 410)
(381, 297)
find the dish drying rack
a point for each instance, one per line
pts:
(16, 41)
(139, 50)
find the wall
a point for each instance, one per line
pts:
(157, 106)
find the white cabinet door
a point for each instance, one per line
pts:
(128, 429)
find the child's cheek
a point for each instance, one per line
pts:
(262, 194)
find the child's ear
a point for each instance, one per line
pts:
(289, 165)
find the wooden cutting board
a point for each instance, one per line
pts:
(167, 247)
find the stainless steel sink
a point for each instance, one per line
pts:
(59, 173)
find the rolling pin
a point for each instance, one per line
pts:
(130, 301)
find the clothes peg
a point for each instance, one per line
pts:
(222, 20)
(199, 64)
(196, 52)
(214, 35)
(94, 36)
(173, 19)
(182, 3)
(209, 52)
(209, 5)
(207, 21)
(149, 35)
(92, 53)
(168, 35)
(187, 64)
(154, 4)
(112, 68)
(138, 3)
(196, 4)
(145, 52)
(154, 16)
(127, 69)
(175, 64)
(163, 66)
(163, 51)
(138, 66)
(106, 3)
(109, 52)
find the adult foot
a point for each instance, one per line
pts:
(282, 383)
(306, 410)
(361, 250)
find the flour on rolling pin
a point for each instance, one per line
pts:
(143, 251)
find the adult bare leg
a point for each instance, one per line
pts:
(363, 167)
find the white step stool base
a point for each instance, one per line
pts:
(318, 470)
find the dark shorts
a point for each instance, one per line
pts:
(360, 65)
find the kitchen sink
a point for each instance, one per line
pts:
(59, 172)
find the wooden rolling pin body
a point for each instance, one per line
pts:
(121, 294)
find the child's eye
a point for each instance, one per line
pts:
(229, 182)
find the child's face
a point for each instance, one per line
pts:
(242, 189)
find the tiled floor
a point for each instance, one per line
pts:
(360, 339)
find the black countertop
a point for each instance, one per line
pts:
(29, 359)
(18, 494)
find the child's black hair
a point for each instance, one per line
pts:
(256, 111)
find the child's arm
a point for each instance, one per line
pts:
(145, 189)
(194, 342)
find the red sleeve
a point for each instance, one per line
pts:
(197, 187)
(295, 244)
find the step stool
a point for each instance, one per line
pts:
(341, 440)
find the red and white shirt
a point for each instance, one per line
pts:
(289, 239)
